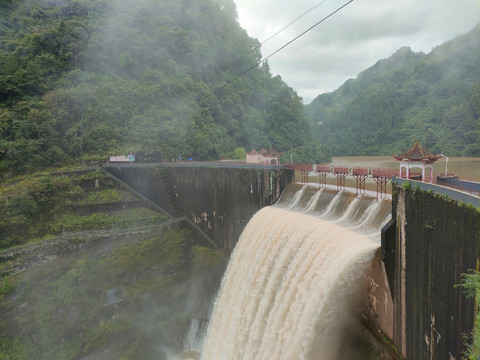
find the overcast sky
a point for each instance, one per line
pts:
(353, 39)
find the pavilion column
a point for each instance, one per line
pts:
(408, 171)
(423, 172)
(431, 174)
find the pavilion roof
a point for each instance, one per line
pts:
(417, 153)
(273, 152)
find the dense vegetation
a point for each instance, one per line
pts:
(314, 152)
(86, 78)
(88, 271)
(116, 300)
(48, 205)
(471, 286)
(433, 98)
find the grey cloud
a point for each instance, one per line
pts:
(353, 39)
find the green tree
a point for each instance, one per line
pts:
(311, 153)
(92, 78)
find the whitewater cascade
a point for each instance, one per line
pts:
(295, 276)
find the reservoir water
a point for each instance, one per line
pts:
(465, 167)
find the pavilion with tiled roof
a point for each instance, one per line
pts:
(417, 157)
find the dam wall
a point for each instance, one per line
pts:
(433, 240)
(219, 199)
(414, 309)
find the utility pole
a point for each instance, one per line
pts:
(446, 164)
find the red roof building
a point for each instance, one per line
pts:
(417, 157)
(265, 157)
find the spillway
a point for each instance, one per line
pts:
(297, 277)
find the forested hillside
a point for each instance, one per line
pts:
(433, 98)
(87, 78)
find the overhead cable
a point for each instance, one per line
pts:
(261, 61)
(278, 32)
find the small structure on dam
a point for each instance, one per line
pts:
(265, 157)
(417, 157)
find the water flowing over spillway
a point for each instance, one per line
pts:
(295, 276)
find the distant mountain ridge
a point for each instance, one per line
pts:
(433, 98)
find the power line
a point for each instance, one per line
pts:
(306, 31)
(261, 61)
(252, 50)
(294, 21)
(278, 32)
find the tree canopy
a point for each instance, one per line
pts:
(86, 77)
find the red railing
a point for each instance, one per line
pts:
(341, 170)
(380, 176)
(323, 168)
(360, 171)
(384, 173)
(344, 170)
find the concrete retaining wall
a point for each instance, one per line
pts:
(470, 185)
(441, 190)
(436, 240)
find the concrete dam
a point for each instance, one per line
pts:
(407, 263)
(219, 198)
